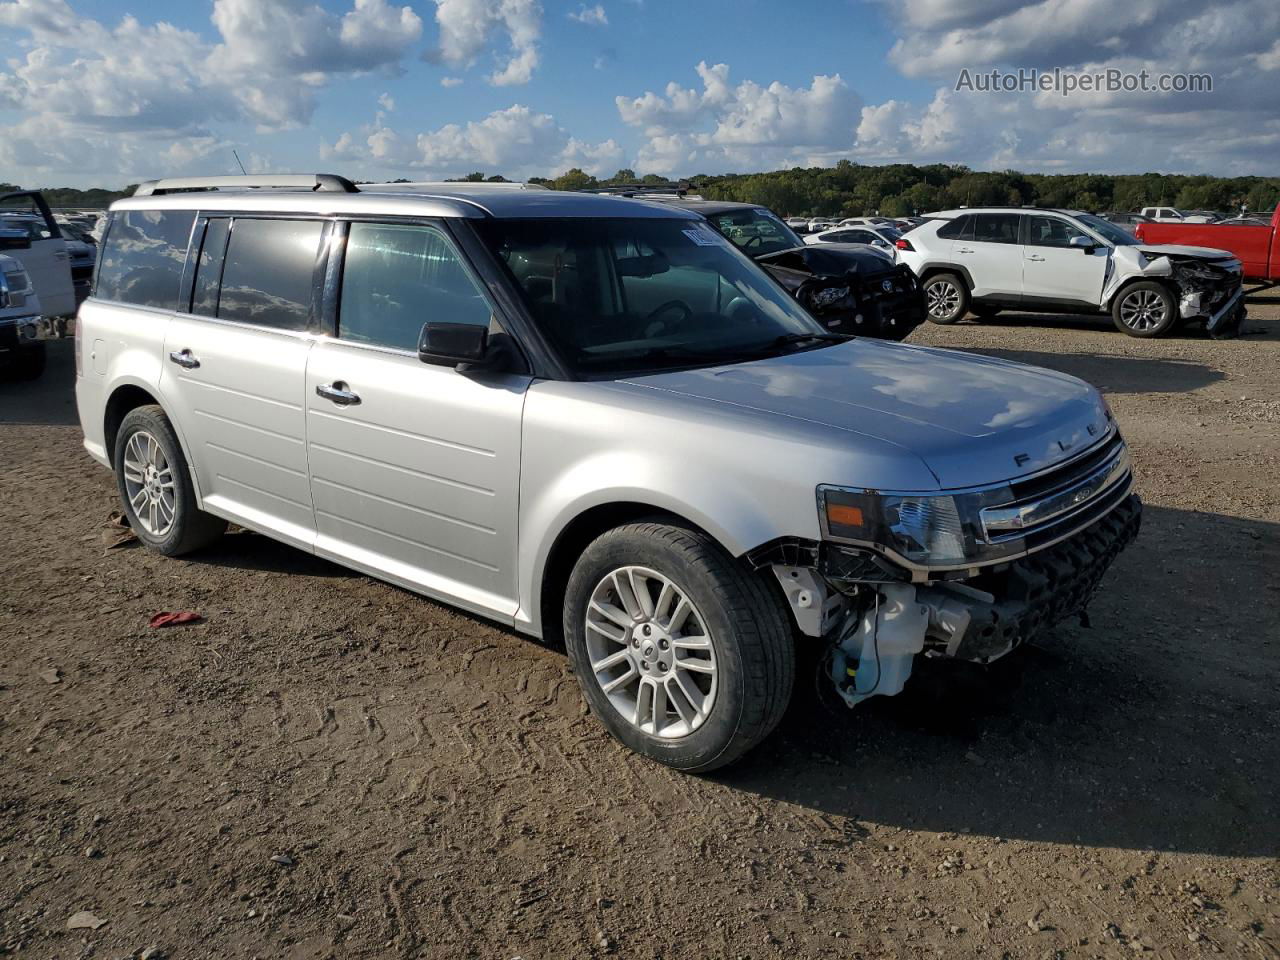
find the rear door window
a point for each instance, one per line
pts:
(143, 257)
(995, 227)
(396, 277)
(269, 272)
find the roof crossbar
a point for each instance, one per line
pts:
(319, 182)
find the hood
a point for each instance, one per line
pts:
(829, 259)
(973, 420)
(1153, 250)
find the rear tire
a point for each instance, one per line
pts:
(735, 631)
(946, 298)
(155, 486)
(1144, 309)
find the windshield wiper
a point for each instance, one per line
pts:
(795, 339)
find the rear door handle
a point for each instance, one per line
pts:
(183, 358)
(338, 392)
(964, 250)
(1036, 258)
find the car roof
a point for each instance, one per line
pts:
(960, 212)
(464, 201)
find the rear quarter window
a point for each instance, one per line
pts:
(142, 259)
(961, 228)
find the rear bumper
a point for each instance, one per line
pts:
(17, 333)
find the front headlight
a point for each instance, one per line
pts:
(933, 531)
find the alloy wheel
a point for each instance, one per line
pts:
(943, 299)
(149, 484)
(651, 653)
(1143, 310)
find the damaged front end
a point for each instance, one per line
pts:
(851, 289)
(1207, 285)
(971, 575)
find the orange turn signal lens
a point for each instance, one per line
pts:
(844, 515)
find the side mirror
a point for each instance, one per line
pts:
(451, 344)
(1082, 243)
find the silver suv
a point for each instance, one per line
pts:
(596, 420)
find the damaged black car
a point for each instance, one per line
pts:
(850, 288)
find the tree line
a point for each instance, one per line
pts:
(852, 189)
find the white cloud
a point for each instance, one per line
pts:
(592, 16)
(1228, 131)
(132, 99)
(468, 26)
(387, 102)
(450, 82)
(725, 126)
(516, 141)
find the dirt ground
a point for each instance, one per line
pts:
(430, 785)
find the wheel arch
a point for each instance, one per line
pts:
(574, 537)
(930, 270)
(1128, 282)
(129, 395)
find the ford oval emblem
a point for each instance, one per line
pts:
(886, 285)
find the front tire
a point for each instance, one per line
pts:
(155, 486)
(1144, 309)
(683, 655)
(946, 298)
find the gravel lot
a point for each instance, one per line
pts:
(431, 785)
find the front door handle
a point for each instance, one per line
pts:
(338, 392)
(183, 358)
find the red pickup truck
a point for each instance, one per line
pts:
(1256, 247)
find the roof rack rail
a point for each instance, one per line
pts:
(683, 190)
(320, 182)
(454, 185)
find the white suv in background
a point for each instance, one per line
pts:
(1062, 261)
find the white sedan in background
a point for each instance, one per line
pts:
(882, 238)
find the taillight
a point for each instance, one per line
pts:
(902, 243)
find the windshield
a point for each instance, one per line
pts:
(646, 294)
(1108, 231)
(755, 232)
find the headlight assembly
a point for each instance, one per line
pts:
(973, 528)
(926, 531)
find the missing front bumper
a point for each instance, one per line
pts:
(980, 619)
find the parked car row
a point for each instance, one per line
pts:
(57, 253)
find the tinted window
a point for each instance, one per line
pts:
(267, 278)
(961, 228)
(396, 278)
(141, 262)
(1050, 232)
(995, 227)
(204, 300)
(622, 294)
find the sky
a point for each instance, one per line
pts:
(109, 92)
